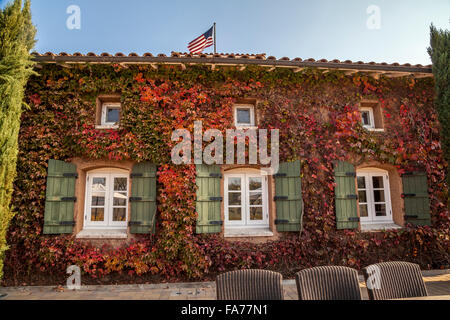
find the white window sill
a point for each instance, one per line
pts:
(247, 232)
(245, 126)
(375, 129)
(106, 126)
(379, 227)
(102, 234)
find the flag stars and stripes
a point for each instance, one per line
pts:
(204, 41)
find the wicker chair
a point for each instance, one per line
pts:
(250, 285)
(328, 283)
(395, 280)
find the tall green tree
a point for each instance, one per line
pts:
(16, 40)
(439, 52)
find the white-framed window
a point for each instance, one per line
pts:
(246, 201)
(374, 196)
(367, 118)
(106, 205)
(244, 115)
(110, 114)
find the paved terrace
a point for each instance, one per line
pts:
(437, 282)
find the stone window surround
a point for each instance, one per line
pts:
(253, 237)
(377, 114)
(396, 190)
(83, 167)
(102, 99)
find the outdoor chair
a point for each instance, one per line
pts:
(328, 283)
(250, 285)
(394, 280)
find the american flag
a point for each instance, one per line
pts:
(204, 41)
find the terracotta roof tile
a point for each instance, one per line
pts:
(226, 58)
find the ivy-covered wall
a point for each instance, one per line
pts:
(318, 121)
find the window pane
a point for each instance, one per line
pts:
(243, 116)
(99, 184)
(377, 182)
(120, 184)
(365, 118)
(97, 214)
(362, 196)
(234, 214)
(120, 199)
(234, 198)
(112, 115)
(119, 214)
(234, 184)
(380, 210)
(363, 210)
(256, 213)
(255, 184)
(98, 199)
(255, 198)
(379, 195)
(361, 182)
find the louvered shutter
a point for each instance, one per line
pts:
(415, 195)
(288, 197)
(208, 199)
(143, 198)
(60, 197)
(345, 196)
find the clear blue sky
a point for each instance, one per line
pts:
(318, 29)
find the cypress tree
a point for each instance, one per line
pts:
(16, 40)
(439, 52)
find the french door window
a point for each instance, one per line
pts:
(106, 200)
(246, 200)
(374, 196)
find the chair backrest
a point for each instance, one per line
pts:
(394, 280)
(250, 284)
(328, 283)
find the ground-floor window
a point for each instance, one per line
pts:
(246, 201)
(374, 196)
(106, 204)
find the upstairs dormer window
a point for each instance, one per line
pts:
(367, 118)
(110, 114)
(244, 115)
(371, 115)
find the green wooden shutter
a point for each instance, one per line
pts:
(60, 197)
(288, 197)
(345, 196)
(417, 202)
(143, 198)
(208, 199)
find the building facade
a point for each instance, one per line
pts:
(360, 176)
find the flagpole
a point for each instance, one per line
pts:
(215, 38)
